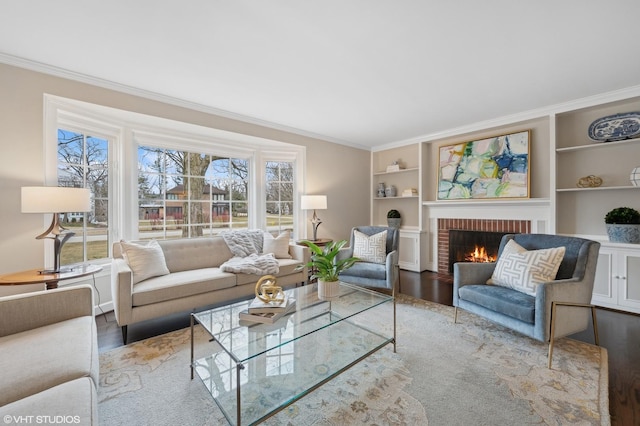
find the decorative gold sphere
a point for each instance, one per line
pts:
(268, 291)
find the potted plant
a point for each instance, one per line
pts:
(623, 225)
(325, 267)
(394, 218)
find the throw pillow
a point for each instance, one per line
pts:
(145, 260)
(370, 248)
(523, 270)
(279, 245)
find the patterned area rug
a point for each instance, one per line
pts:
(473, 372)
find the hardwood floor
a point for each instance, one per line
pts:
(619, 333)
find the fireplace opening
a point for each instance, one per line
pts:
(473, 246)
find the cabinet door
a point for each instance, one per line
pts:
(409, 251)
(605, 291)
(629, 277)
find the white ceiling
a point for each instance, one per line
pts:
(362, 72)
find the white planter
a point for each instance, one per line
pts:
(328, 289)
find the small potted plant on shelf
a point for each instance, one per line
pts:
(325, 267)
(394, 218)
(623, 225)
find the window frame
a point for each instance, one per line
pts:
(128, 129)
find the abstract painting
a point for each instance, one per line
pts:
(495, 167)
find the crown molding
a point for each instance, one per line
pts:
(154, 96)
(573, 105)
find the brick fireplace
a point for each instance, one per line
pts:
(488, 225)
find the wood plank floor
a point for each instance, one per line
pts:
(619, 333)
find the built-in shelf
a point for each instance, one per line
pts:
(395, 198)
(599, 188)
(413, 169)
(597, 145)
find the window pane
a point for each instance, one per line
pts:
(201, 192)
(83, 162)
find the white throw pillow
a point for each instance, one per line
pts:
(370, 248)
(279, 245)
(522, 269)
(145, 260)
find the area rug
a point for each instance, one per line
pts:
(470, 373)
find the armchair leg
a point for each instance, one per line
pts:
(124, 334)
(553, 324)
(455, 314)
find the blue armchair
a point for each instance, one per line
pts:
(556, 310)
(376, 275)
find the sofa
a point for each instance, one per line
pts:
(49, 357)
(193, 278)
(530, 312)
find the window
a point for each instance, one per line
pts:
(279, 177)
(156, 178)
(188, 194)
(83, 162)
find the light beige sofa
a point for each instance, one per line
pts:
(49, 357)
(195, 280)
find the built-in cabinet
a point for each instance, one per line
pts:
(561, 153)
(581, 211)
(617, 283)
(409, 176)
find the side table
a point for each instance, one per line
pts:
(320, 242)
(34, 276)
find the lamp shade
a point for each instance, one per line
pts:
(313, 202)
(54, 199)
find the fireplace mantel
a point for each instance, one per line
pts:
(535, 211)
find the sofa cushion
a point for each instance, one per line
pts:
(522, 269)
(513, 303)
(182, 284)
(370, 248)
(279, 245)
(187, 254)
(370, 270)
(76, 401)
(146, 260)
(38, 359)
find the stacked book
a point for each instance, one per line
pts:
(409, 192)
(267, 312)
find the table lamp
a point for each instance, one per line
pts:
(55, 200)
(314, 202)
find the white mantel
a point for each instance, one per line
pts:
(537, 211)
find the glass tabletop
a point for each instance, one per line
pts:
(255, 369)
(244, 340)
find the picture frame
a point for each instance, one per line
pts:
(496, 167)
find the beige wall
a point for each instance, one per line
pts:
(340, 172)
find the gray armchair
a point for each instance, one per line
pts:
(376, 275)
(566, 296)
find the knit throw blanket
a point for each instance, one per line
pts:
(246, 246)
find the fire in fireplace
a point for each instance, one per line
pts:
(473, 246)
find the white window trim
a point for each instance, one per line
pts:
(128, 129)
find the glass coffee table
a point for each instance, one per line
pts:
(256, 370)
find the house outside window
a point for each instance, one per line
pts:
(184, 194)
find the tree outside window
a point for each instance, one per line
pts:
(83, 162)
(184, 194)
(279, 195)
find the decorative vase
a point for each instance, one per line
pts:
(635, 176)
(394, 222)
(390, 191)
(623, 233)
(328, 289)
(381, 190)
